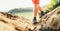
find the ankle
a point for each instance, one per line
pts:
(34, 18)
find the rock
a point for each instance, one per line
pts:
(52, 19)
(9, 22)
(49, 22)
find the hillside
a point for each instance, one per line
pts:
(20, 10)
(51, 20)
(10, 22)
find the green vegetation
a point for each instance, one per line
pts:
(53, 4)
(20, 10)
(28, 12)
(24, 12)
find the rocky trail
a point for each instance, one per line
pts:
(9, 22)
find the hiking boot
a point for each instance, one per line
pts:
(42, 14)
(34, 21)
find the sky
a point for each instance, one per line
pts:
(6, 5)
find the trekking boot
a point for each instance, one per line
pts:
(42, 14)
(34, 21)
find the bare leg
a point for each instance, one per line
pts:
(35, 10)
(40, 9)
(35, 13)
(42, 13)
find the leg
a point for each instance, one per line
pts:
(35, 14)
(35, 10)
(40, 9)
(42, 13)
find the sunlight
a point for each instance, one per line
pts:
(6, 5)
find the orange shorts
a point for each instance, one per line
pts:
(35, 1)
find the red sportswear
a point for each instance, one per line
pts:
(35, 1)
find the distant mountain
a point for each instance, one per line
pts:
(21, 10)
